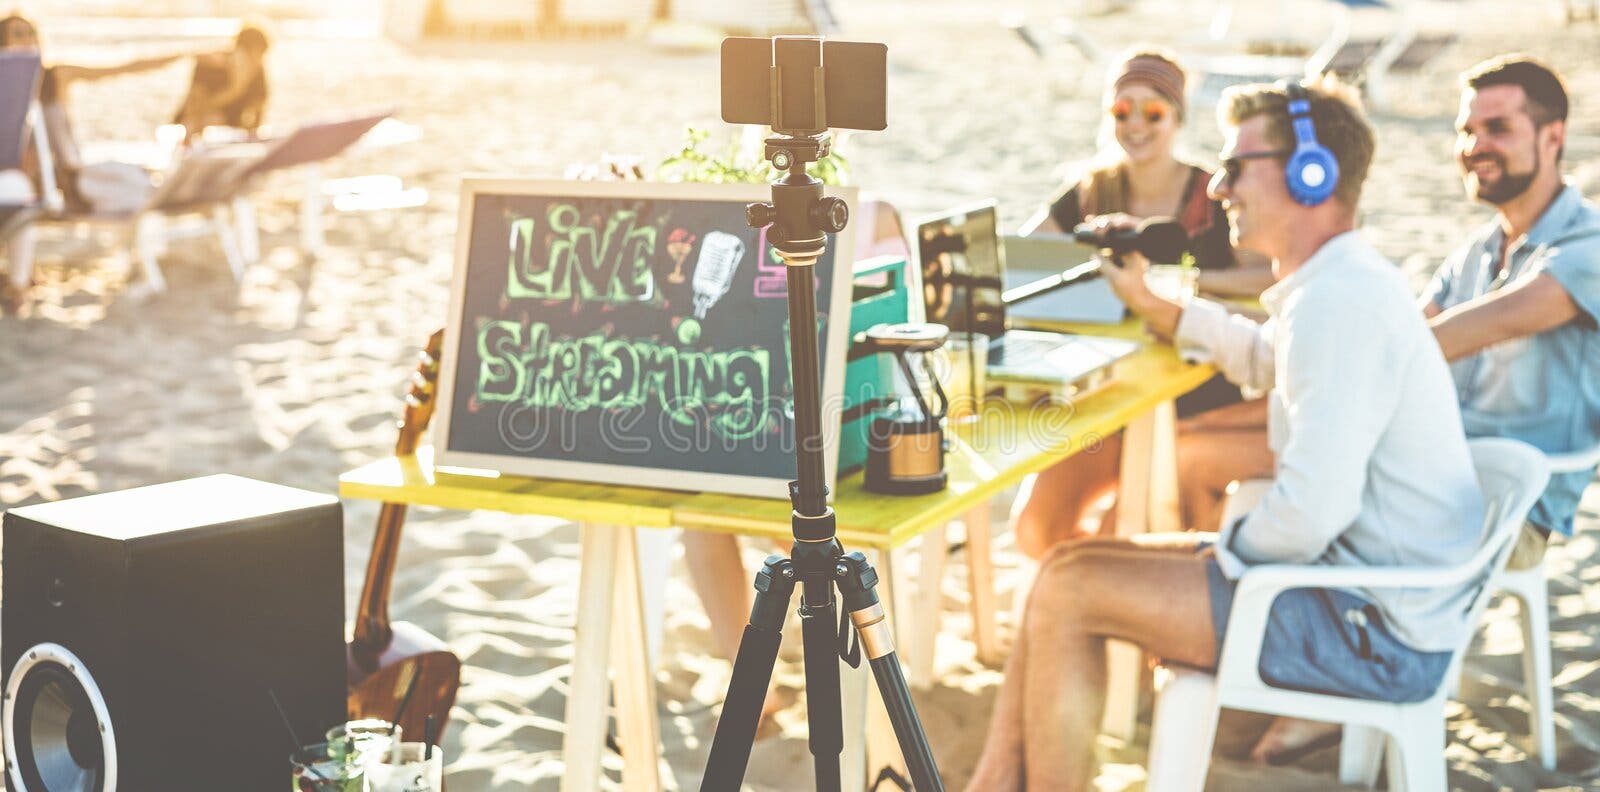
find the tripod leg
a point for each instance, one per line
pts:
(819, 626)
(883, 749)
(858, 583)
(854, 699)
(752, 673)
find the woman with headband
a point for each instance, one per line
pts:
(1142, 177)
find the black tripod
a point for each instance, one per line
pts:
(800, 217)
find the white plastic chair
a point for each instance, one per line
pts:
(1512, 475)
(1529, 587)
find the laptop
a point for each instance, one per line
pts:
(963, 278)
(1039, 257)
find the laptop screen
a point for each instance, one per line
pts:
(963, 269)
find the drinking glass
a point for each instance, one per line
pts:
(1178, 284)
(966, 358)
(313, 768)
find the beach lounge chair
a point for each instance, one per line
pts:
(1410, 736)
(1367, 59)
(1531, 591)
(205, 185)
(19, 77)
(209, 189)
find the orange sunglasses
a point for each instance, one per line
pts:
(1154, 110)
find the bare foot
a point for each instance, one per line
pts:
(778, 699)
(1289, 739)
(995, 775)
(14, 298)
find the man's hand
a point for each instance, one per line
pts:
(1127, 282)
(1125, 274)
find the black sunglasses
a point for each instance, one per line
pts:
(1231, 166)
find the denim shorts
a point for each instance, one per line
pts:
(1332, 642)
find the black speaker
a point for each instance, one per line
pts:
(146, 632)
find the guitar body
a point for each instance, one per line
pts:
(412, 654)
(384, 660)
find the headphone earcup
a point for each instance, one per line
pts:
(1312, 173)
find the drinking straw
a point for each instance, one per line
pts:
(427, 739)
(292, 737)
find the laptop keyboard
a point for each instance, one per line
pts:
(1023, 347)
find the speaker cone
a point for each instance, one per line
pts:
(58, 735)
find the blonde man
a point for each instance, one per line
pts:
(1372, 465)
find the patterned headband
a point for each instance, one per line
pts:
(1158, 73)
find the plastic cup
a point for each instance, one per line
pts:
(1178, 284)
(965, 378)
(1173, 282)
(313, 769)
(404, 769)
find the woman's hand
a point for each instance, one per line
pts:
(1115, 220)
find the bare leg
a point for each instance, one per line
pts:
(1287, 739)
(1239, 415)
(1208, 460)
(999, 767)
(1051, 511)
(20, 253)
(1154, 596)
(718, 575)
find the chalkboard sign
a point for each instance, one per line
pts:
(629, 333)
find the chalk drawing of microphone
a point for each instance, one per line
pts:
(720, 254)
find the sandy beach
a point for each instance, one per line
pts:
(297, 375)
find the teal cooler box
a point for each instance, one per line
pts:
(878, 295)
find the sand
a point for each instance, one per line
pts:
(296, 376)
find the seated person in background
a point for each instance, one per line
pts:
(1516, 309)
(1143, 178)
(108, 187)
(1373, 470)
(228, 88)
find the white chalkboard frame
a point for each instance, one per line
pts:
(836, 303)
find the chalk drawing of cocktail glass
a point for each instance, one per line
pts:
(679, 242)
(720, 255)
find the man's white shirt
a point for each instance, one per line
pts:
(1372, 465)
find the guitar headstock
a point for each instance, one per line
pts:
(420, 396)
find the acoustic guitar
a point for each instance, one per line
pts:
(399, 667)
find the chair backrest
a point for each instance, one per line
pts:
(19, 81)
(206, 176)
(318, 141)
(1512, 475)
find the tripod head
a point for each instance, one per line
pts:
(800, 215)
(802, 86)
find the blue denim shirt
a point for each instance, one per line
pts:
(1543, 389)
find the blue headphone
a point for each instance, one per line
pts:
(1313, 172)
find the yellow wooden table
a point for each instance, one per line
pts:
(987, 457)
